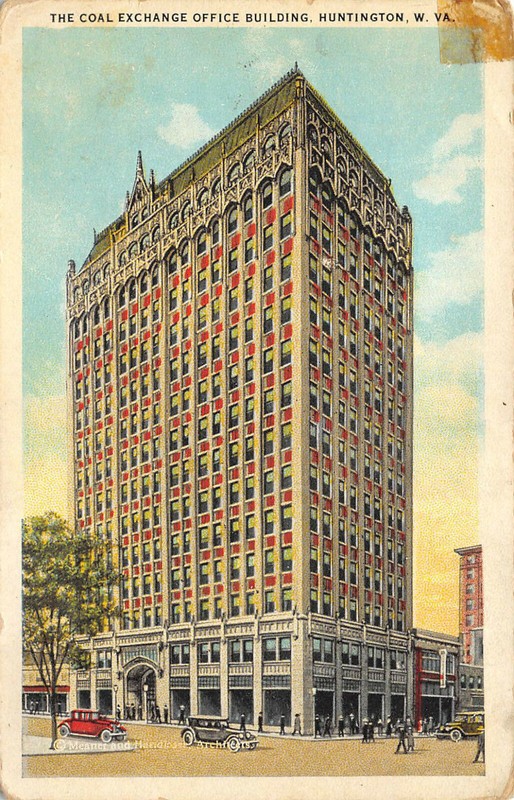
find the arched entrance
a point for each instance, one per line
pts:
(140, 692)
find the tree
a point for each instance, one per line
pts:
(67, 591)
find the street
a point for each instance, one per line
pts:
(157, 750)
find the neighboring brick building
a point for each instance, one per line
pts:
(240, 407)
(471, 627)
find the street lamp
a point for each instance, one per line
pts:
(116, 701)
(145, 690)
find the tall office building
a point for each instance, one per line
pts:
(240, 406)
(471, 627)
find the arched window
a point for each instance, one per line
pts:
(132, 251)
(106, 272)
(122, 297)
(97, 278)
(76, 328)
(234, 174)
(84, 325)
(173, 221)
(107, 308)
(249, 161)
(85, 287)
(232, 220)
(144, 214)
(285, 182)
(248, 208)
(285, 132)
(269, 145)
(155, 276)
(96, 316)
(216, 187)
(172, 262)
(76, 295)
(325, 146)
(144, 283)
(312, 135)
(203, 197)
(156, 233)
(215, 232)
(186, 210)
(135, 220)
(267, 194)
(122, 260)
(145, 243)
(132, 290)
(184, 254)
(201, 245)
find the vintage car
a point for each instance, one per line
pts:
(85, 722)
(216, 732)
(465, 724)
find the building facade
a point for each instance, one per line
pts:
(240, 407)
(435, 670)
(471, 627)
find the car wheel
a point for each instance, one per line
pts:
(106, 736)
(188, 738)
(456, 735)
(233, 744)
(64, 731)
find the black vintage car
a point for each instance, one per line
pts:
(216, 732)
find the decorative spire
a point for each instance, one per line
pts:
(139, 167)
(152, 179)
(127, 200)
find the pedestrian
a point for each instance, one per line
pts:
(297, 727)
(352, 724)
(340, 725)
(430, 726)
(389, 728)
(327, 729)
(317, 725)
(364, 731)
(400, 730)
(157, 712)
(139, 711)
(480, 747)
(410, 735)
(118, 711)
(282, 725)
(380, 726)
(31, 707)
(242, 723)
(165, 711)
(259, 723)
(182, 715)
(371, 731)
(58, 709)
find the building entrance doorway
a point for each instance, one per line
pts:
(325, 705)
(141, 691)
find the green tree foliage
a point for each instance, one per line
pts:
(67, 592)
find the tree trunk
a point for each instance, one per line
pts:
(53, 716)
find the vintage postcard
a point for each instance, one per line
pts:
(256, 368)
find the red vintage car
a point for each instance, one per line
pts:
(85, 722)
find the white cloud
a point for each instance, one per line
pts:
(445, 179)
(457, 361)
(186, 127)
(453, 276)
(461, 133)
(455, 156)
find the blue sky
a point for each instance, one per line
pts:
(93, 97)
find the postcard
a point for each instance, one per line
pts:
(256, 361)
